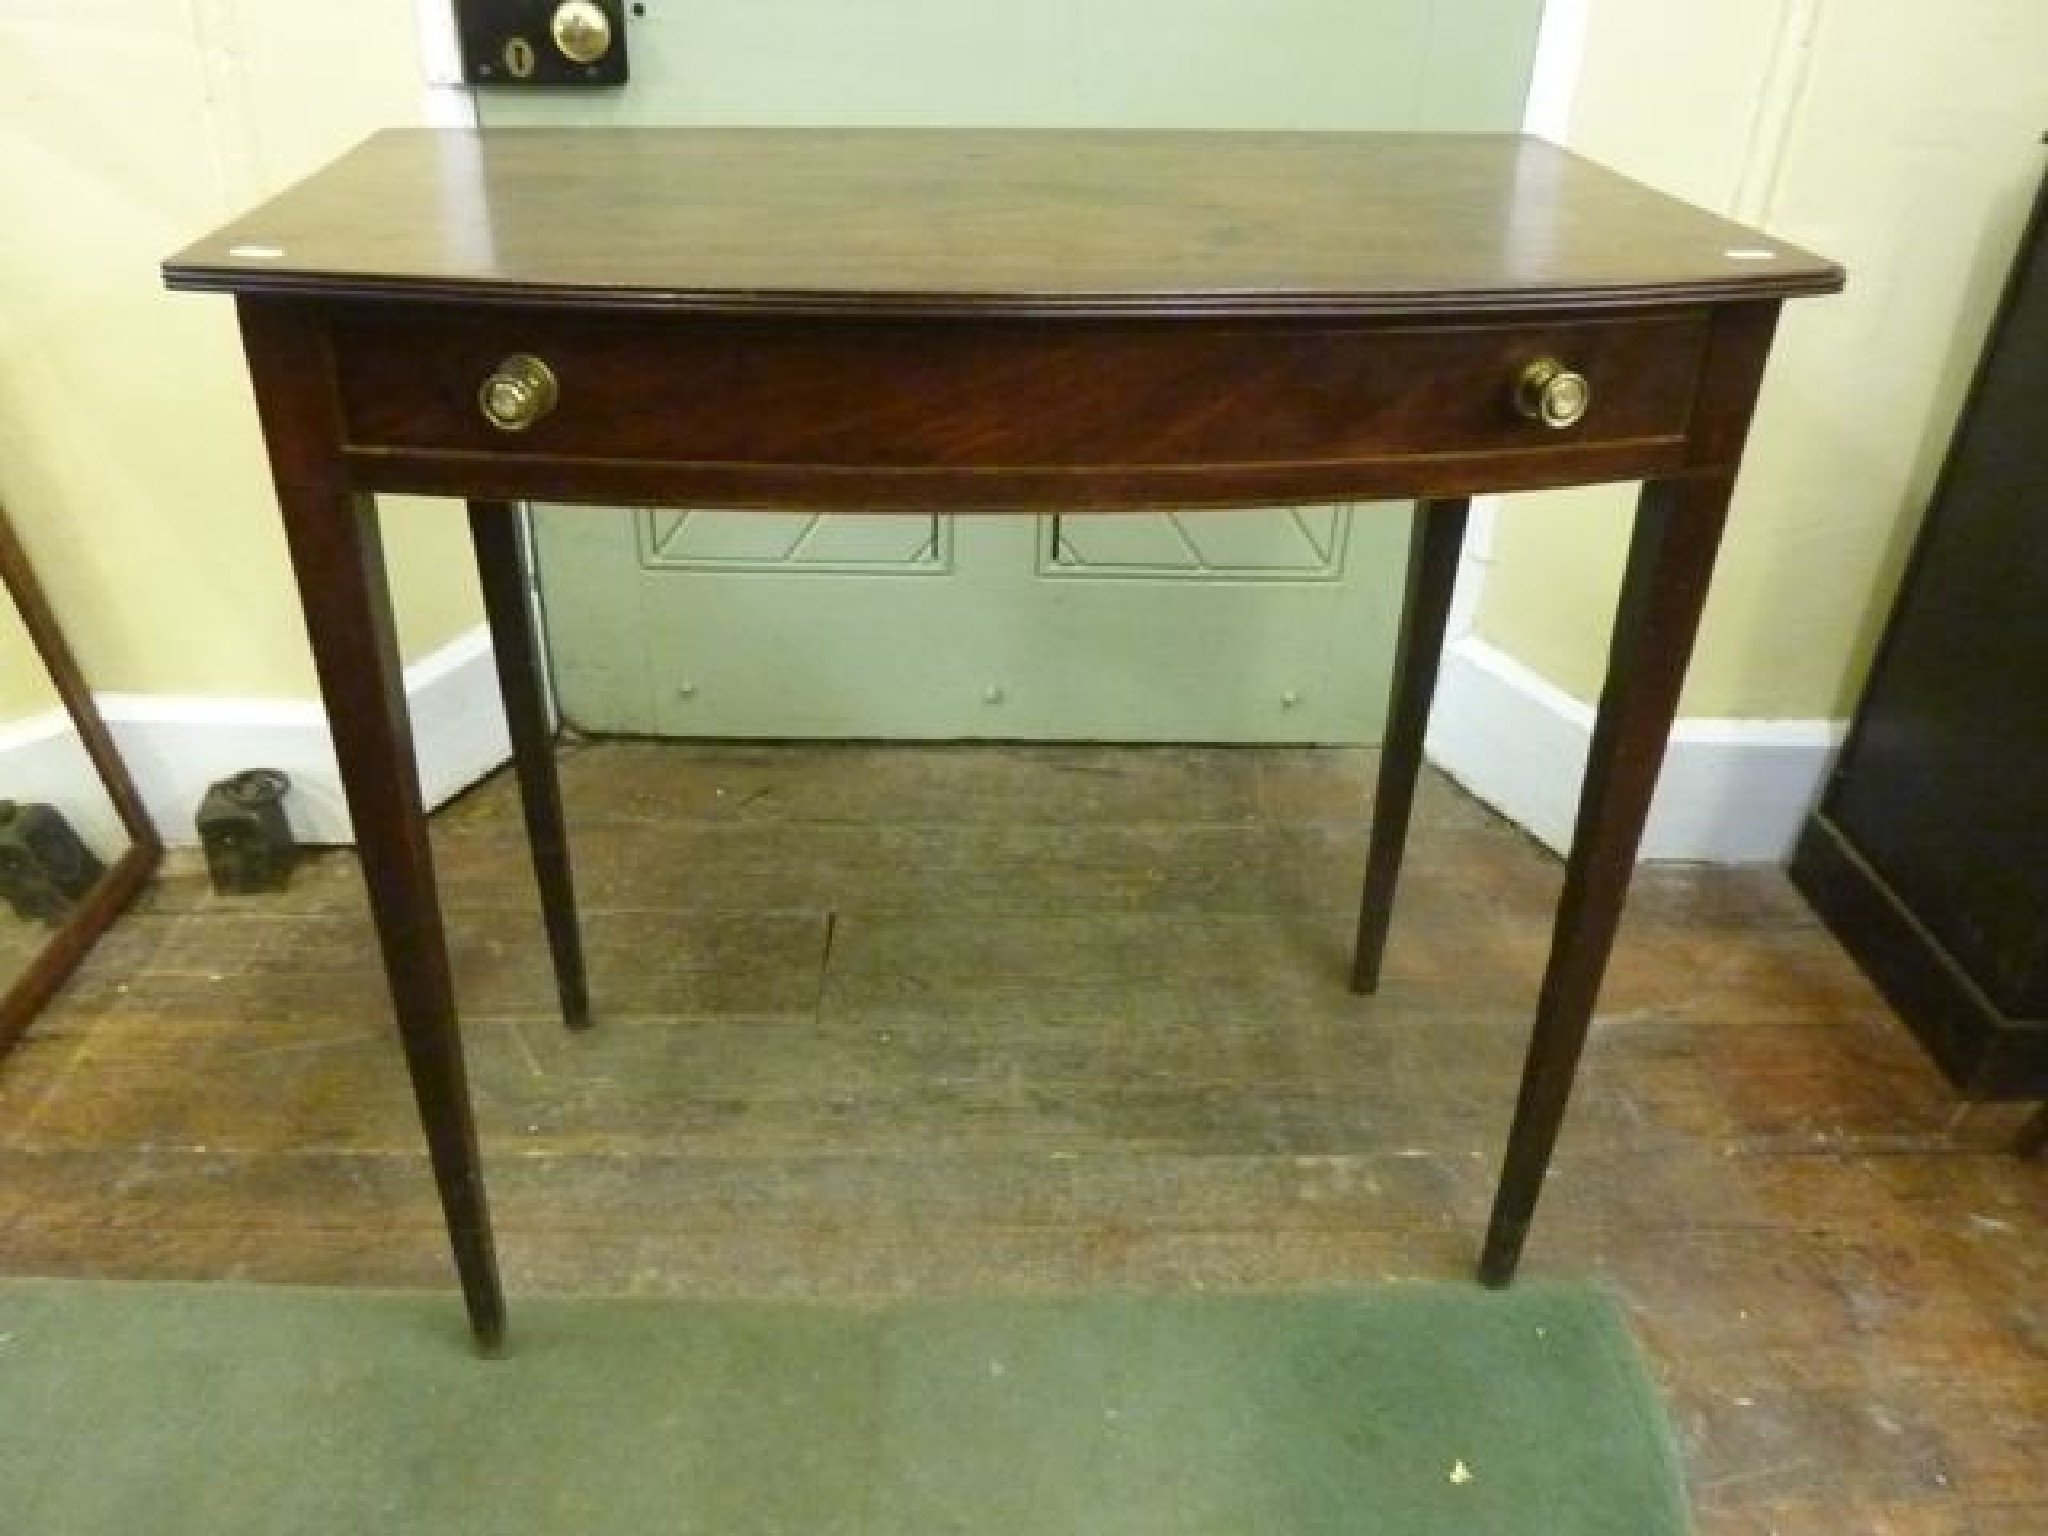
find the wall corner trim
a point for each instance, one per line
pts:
(1732, 791)
(176, 746)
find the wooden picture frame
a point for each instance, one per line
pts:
(27, 993)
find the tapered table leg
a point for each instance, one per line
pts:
(501, 568)
(338, 558)
(1425, 608)
(2033, 1137)
(1670, 562)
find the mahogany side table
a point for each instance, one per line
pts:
(974, 322)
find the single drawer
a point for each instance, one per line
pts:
(1215, 408)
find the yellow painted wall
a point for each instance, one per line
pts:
(1898, 138)
(129, 456)
(25, 687)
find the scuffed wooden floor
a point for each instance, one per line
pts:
(876, 1021)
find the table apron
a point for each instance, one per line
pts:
(1002, 415)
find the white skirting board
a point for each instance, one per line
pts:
(43, 762)
(176, 747)
(1732, 791)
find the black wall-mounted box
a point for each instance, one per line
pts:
(542, 42)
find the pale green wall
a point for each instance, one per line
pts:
(1072, 63)
(129, 457)
(1898, 138)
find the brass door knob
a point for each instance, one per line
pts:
(519, 392)
(1548, 392)
(581, 30)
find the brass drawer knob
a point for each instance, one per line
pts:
(581, 31)
(519, 392)
(1548, 392)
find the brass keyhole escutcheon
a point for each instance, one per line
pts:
(519, 392)
(582, 31)
(1549, 393)
(519, 58)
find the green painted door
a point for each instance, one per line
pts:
(1274, 625)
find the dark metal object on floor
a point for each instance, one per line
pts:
(45, 867)
(247, 837)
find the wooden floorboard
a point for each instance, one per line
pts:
(880, 1021)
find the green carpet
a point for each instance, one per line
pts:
(150, 1410)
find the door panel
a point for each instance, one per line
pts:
(1000, 644)
(1293, 543)
(1272, 625)
(792, 541)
